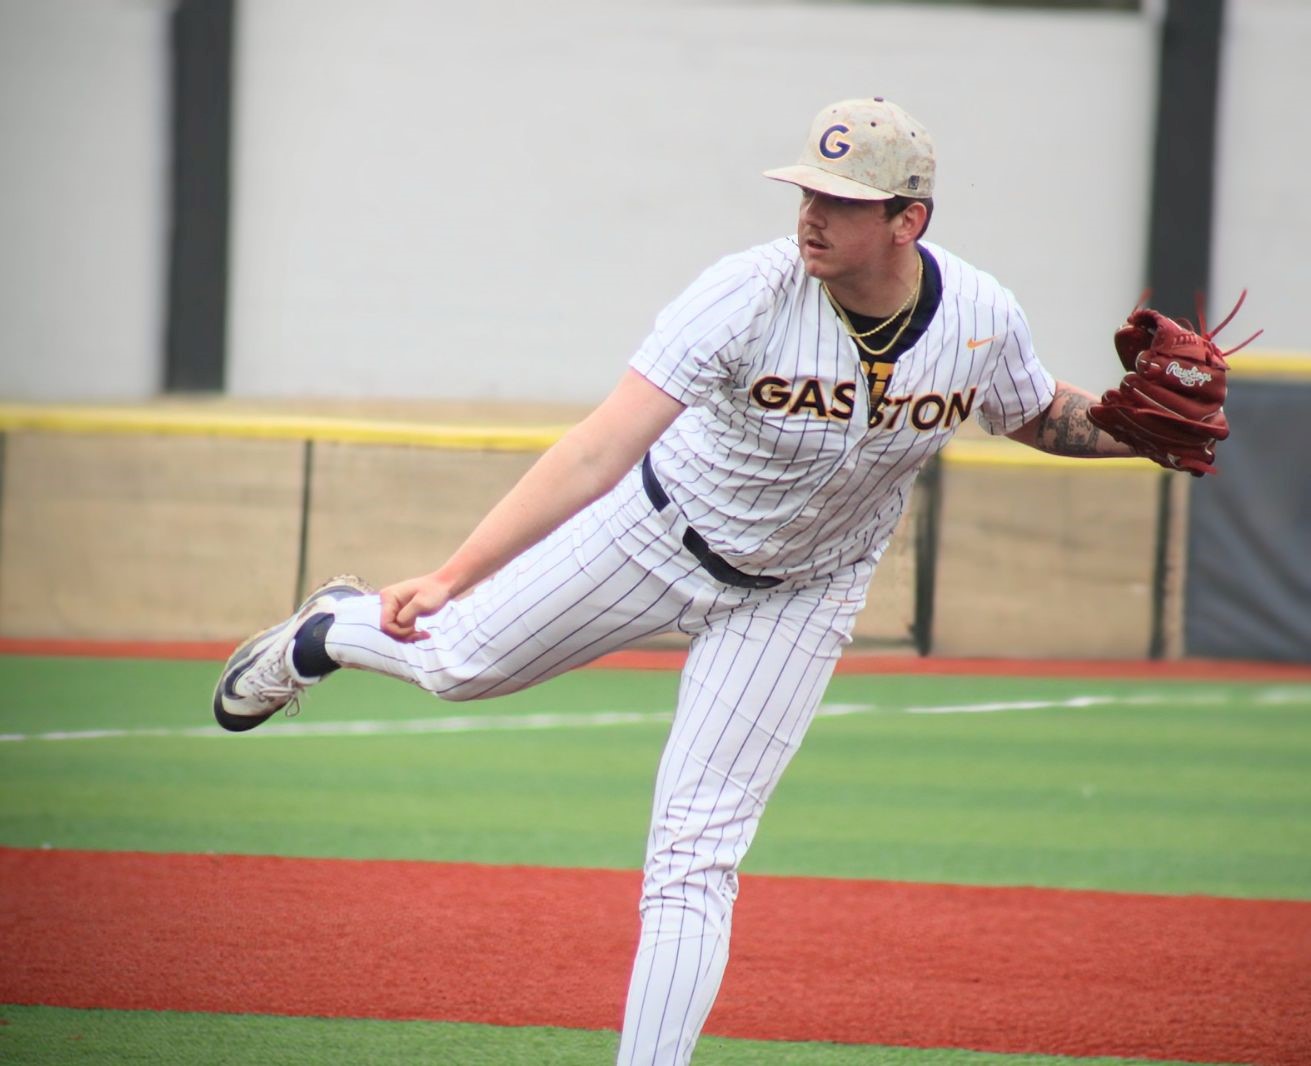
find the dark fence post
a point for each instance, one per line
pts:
(1164, 529)
(306, 502)
(927, 521)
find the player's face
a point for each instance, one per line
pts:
(840, 236)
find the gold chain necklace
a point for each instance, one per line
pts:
(912, 294)
(908, 305)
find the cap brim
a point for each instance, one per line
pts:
(813, 178)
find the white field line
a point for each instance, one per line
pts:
(398, 727)
(1074, 702)
(492, 723)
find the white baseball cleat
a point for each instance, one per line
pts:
(261, 678)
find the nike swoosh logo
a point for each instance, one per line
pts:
(971, 344)
(231, 677)
(235, 675)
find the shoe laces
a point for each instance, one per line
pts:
(272, 679)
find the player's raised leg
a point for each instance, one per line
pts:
(606, 579)
(750, 688)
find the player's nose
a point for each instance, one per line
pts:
(812, 208)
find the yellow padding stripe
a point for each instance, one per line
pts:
(277, 427)
(422, 434)
(1006, 453)
(1271, 364)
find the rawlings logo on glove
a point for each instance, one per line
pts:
(1169, 408)
(1188, 376)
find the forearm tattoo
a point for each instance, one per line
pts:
(1066, 429)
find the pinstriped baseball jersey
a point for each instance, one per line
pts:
(777, 461)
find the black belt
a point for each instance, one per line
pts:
(715, 565)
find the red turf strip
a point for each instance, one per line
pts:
(673, 659)
(1009, 970)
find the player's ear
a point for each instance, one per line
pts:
(911, 222)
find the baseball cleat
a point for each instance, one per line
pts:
(261, 678)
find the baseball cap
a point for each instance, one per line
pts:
(864, 150)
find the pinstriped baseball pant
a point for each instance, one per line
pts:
(758, 665)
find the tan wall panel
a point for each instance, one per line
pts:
(171, 537)
(387, 513)
(150, 538)
(889, 613)
(392, 512)
(1038, 562)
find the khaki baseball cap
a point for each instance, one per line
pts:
(864, 150)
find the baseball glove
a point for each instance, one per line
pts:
(1169, 408)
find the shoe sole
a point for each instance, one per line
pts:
(235, 667)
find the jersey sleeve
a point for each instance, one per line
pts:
(1021, 387)
(698, 341)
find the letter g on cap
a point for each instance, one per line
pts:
(832, 147)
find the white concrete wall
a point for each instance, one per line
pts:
(494, 200)
(447, 199)
(1262, 207)
(83, 198)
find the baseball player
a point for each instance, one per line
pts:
(739, 485)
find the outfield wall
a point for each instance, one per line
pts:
(204, 524)
(429, 203)
(492, 201)
(388, 243)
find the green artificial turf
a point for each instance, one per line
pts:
(1196, 789)
(1190, 789)
(48, 1036)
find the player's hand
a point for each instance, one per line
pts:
(405, 602)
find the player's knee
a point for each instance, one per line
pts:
(471, 681)
(704, 890)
